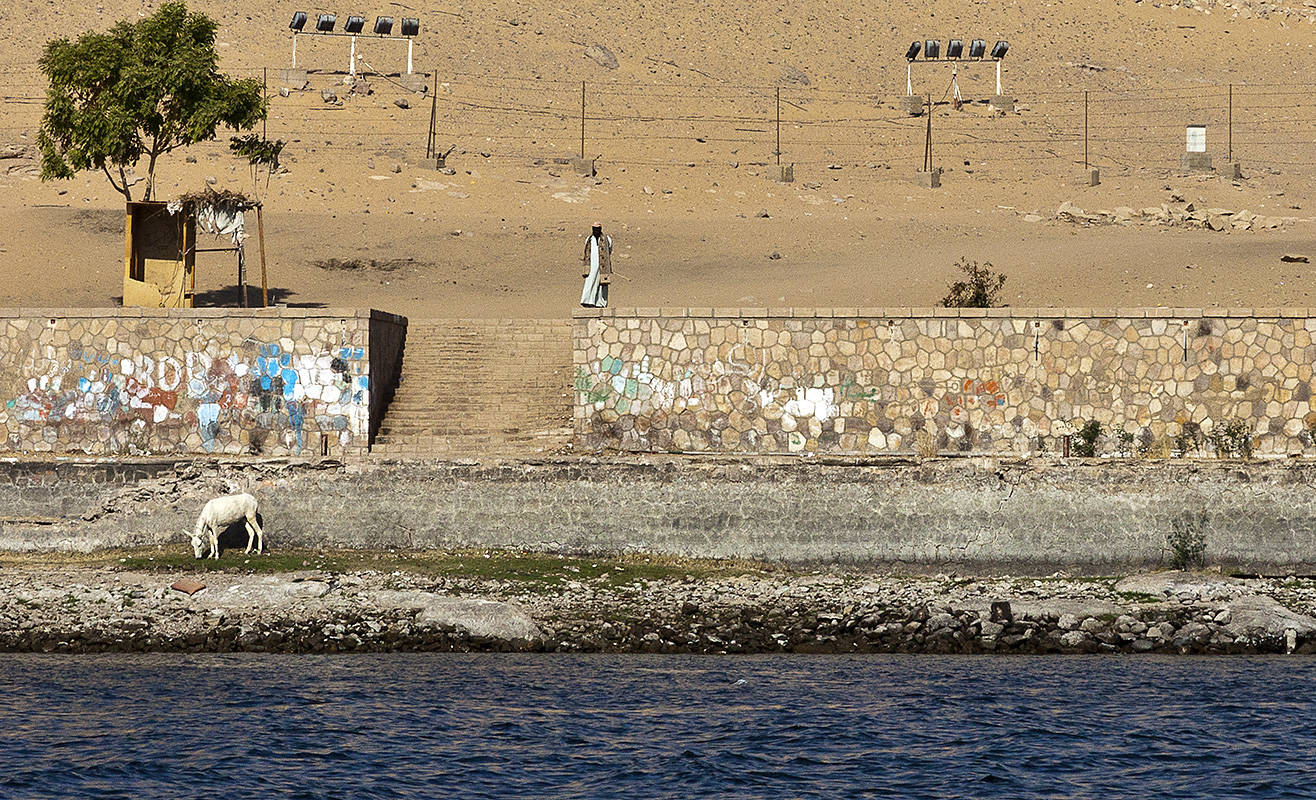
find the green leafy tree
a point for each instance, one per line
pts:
(141, 90)
(259, 152)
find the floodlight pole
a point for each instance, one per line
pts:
(294, 49)
(909, 75)
(410, 43)
(351, 63)
(927, 149)
(998, 78)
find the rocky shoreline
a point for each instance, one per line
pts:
(87, 610)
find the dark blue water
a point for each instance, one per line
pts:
(501, 726)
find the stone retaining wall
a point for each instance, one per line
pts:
(139, 381)
(979, 515)
(880, 381)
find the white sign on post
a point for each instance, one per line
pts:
(1197, 138)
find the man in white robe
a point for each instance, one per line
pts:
(598, 255)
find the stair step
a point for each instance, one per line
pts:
(473, 388)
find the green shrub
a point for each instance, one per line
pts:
(1189, 440)
(1233, 440)
(1085, 441)
(1186, 541)
(981, 287)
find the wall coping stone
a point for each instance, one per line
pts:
(134, 312)
(1008, 312)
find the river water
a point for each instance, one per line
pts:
(548, 726)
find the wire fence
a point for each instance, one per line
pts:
(676, 125)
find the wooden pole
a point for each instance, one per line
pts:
(779, 126)
(128, 246)
(1085, 130)
(189, 249)
(1231, 123)
(264, 284)
(430, 150)
(582, 120)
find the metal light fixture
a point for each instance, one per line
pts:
(298, 21)
(410, 26)
(354, 24)
(954, 48)
(326, 23)
(977, 48)
(998, 52)
(912, 53)
(383, 26)
(932, 49)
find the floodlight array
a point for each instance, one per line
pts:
(355, 25)
(931, 49)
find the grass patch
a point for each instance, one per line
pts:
(1139, 597)
(544, 570)
(368, 264)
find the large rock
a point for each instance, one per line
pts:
(271, 592)
(1258, 616)
(602, 56)
(486, 618)
(793, 75)
(1179, 585)
(1053, 608)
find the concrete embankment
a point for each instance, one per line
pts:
(84, 610)
(983, 516)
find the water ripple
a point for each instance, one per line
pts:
(494, 726)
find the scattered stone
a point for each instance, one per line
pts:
(90, 610)
(762, 214)
(396, 169)
(329, 95)
(187, 586)
(283, 91)
(13, 151)
(401, 102)
(1294, 258)
(774, 256)
(1217, 219)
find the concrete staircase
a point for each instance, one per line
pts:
(484, 389)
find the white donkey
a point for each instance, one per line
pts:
(220, 513)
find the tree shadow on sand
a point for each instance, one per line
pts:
(229, 297)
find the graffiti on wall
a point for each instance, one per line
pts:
(632, 387)
(262, 388)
